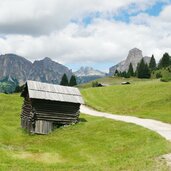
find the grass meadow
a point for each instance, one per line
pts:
(146, 99)
(95, 144)
(113, 81)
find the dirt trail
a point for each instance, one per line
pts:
(161, 128)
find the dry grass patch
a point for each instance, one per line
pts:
(48, 158)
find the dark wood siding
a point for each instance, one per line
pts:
(60, 112)
(39, 116)
(27, 116)
(43, 127)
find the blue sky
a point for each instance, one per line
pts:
(152, 11)
(122, 16)
(97, 33)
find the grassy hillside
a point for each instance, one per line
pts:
(98, 144)
(113, 81)
(148, 99)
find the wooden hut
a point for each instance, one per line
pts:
(47, 106)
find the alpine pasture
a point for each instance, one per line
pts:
(93, 144)
(146, 99)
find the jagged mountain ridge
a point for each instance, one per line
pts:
(86, 74)
(14, 66)
(45, 70)
(88, 71)
(134, 56)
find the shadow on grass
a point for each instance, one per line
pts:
(82, 120)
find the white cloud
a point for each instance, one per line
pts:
(46, 30)
(37, 17)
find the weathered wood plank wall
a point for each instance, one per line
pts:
(39, 116)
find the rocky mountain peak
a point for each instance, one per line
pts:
(135, 50)
(88, 71)
(134, 56)
(16, 67)
(44, 61)
(47, 59)
(47, 70)
(87, 74)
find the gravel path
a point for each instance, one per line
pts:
(161, 128)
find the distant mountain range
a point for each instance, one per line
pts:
(86, 74)
(134, 57)
(15, 70)
(14, 67)
(46, 70)
(17, 67)
(88, 71)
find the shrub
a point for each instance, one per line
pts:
(95, 84)
(158, 75)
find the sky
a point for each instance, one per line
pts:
(97, 33)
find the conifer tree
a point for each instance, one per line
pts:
(152, 64)
(125, 74)
(147, 73)
(73, 81)
(116, 73)
(64, 80)
(164, 61)
(143, 70)
(130, 70)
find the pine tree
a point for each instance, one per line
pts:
(143, 70)
(64, 80)
(73, 81)
(152, 64)
(116, 73)
(130, 70)
(124, 74)
(147, 73)
(164, 61)
(139, 69)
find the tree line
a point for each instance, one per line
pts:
(66, 82)
(145, 70)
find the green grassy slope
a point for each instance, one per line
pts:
(113, 81)
(98, 144)
(148, 99)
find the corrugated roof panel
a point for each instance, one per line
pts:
(70, 90)
(34, 85)
(55, 97)
(38, 90)
(57, 89)
(63, 90)
(76, 91)
(79, 99)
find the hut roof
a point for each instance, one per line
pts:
(45, 91)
